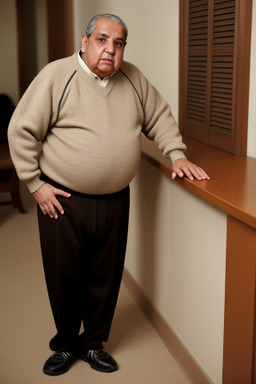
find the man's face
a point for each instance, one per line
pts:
(103, 51)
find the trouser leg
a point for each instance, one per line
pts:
(83, 255)
(105, 268)
(64, 273)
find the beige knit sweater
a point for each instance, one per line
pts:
(84, 136)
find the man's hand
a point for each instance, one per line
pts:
(46, 199)
(183, 167)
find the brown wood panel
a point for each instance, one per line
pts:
(243, 75)
(183, 41)
(56, 29)
(60, 36)
(60, 28)
(20, 47)
(26, 38)
(69, 27)
(232, 187)
(238, 357)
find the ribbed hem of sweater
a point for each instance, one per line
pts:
(34, 184)
(177, 154)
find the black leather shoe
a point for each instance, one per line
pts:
(100, 360)
(58, 363)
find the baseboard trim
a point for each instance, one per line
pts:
(176, 347)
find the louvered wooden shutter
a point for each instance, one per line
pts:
(210, 40)
(196, 99)
(223, 81)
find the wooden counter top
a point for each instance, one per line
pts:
(232, 187)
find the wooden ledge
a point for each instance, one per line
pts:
(232, 187)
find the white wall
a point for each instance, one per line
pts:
(176, 253)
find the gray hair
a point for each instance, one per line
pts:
(110, 16)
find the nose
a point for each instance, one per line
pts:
(110, 47)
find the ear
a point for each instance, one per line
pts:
(84, 41)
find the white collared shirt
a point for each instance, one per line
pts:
(102, 82)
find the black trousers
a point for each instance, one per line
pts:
(83, 256)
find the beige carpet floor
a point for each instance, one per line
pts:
(26, 323)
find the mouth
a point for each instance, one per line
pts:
(107, 61)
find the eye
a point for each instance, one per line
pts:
(119, 44)
(101, 39)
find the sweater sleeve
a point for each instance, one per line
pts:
(27, 129)
(159, 123)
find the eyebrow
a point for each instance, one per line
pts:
(105, 35)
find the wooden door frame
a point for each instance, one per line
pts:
(60, 29)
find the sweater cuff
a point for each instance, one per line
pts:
(177, 154)
(34, 184)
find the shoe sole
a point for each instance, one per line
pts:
(49, 372)
(52, 373)
(96, 368)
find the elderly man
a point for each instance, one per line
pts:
(75, 139)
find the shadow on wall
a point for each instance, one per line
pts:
(147, 202)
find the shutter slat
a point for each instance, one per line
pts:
(219, 107)
(199, 92)
(222, 92)
(220, 115)
(222, 67)
(197, 84)
(198, 22)
(224, 22)
(197, 63)
(221, 126)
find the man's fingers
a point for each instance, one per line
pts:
(52, 211)
(204, 174)
(48, 209)
(177, 173)
(183, 167)
(57, 204)
(60, 192)
(46, 197)
(42, 209)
